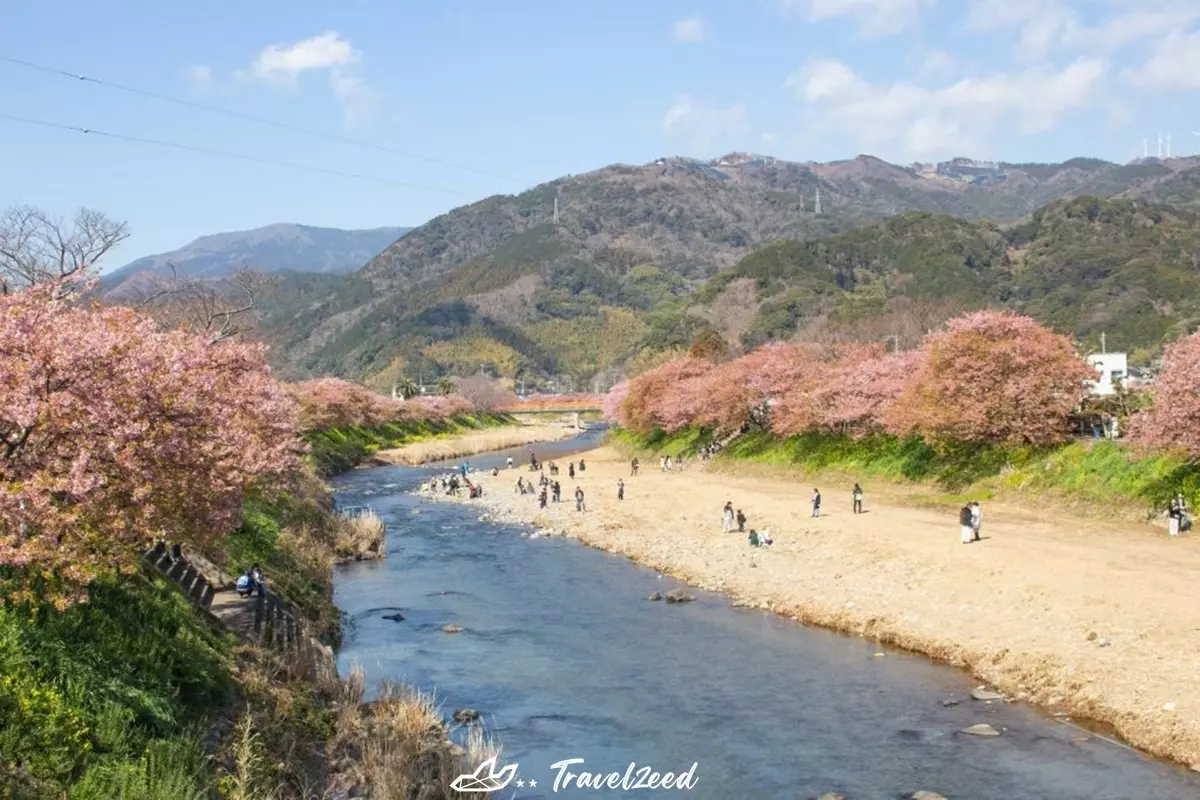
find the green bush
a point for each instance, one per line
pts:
(104, 683)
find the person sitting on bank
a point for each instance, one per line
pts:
(760, 538)
(246, 584)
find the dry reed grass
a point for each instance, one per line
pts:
(397, 745)
(359, 537)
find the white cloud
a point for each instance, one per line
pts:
(705, 129)
(282, 65)
(1045, 25)
(874, 17)
(689, 31)
(1174, 64)
(908, 120)
(200, 78)
(936, 64)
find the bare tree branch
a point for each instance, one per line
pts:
(218, 310)
(38, 248)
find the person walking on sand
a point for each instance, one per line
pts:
(579, 506)
(741, 521)
(571, 470)
(633, 467)
(556, 490)
(542, 498)
(857, 495)
(582, 466)
(966, 529)
(727, 518)
(976, 520)
(816, 503)
(620, 489)
(509, 463)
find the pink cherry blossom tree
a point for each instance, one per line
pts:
(610, 404)
(993, 376)
(1174, 419)
(861, 386)
(656, 397)
(113, 432)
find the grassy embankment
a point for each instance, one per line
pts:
(339, 449)
(138, 693)
(1106, 477)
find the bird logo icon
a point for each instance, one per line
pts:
(485, 778)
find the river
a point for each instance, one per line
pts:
(566, 658)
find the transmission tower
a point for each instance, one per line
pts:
(817, 202)
(556, 210)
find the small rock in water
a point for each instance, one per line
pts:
(984, 693)
(832, 796)
(880, 655)
(949, 702)
(466, 715)
(679, 596)
(981, 729)
(655, 596)
(1196, 767)
(394, 617)
(924, 795)
(451, 628)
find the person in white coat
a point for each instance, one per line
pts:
(976, 520)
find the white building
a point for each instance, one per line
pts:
(1112, 369)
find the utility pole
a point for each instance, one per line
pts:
(556, 209)
(1103, 344)
(817, 203)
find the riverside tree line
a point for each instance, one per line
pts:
(119, 426)
(986, 377)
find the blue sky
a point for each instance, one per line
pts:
(541, 88)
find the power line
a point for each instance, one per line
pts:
(223, 153)
(333, 137)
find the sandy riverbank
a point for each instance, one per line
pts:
(473, 443)
(1096, 620)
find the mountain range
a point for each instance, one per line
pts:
(273, 248)
(648, 257)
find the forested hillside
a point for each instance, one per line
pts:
(646, 258)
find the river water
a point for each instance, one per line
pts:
(566, 658)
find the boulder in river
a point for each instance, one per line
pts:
(984, 693)
(655, 596)
(926, 795)
(451, 628)
(949, 701)
(679, 596)
(981, 729)
(394, 617)
(832, 796)
(466, 715)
